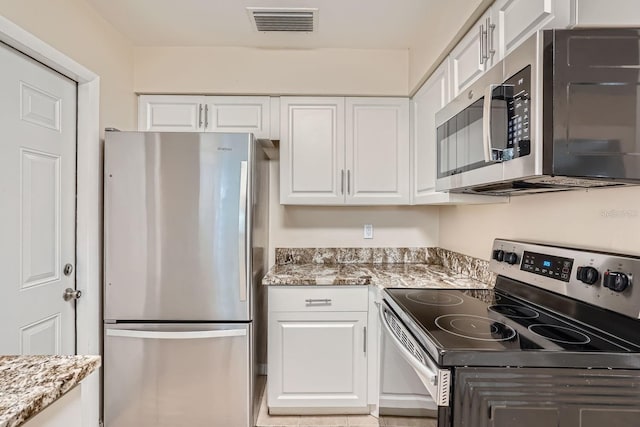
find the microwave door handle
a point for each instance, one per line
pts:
(486, 124)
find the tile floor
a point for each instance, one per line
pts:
(266, 420)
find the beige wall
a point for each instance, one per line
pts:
(606, 219)
(233, 70)
(341, 226)
(75, 29)
(434, 40)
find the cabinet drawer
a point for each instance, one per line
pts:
(318, 298)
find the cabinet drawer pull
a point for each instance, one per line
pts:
(310, 301)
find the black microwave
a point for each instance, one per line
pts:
(561, 111)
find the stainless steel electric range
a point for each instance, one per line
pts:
(556, 342)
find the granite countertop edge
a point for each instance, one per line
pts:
(398, 275)
(29, 384)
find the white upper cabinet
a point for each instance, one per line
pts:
(171, 113)
(186, 113)
(475, 53)
(518, 19)
(602, 13)
(238, 114)
(431, 97)
(377, 151)
(312, 151)
(328, 157)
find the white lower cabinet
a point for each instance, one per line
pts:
(317, 350)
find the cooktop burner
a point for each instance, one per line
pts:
(488, 326)
(440, 298)
(514, 311)
(475, 327)
(561, 334)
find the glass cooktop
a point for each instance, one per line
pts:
(464, 322)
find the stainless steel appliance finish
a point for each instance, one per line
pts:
(185, 250)
(559, 112)
(177, 375)
(555, 342)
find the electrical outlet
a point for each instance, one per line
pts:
(368, 231)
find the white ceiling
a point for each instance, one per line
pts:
(369, 24)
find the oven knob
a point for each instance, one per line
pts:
(588, 275)
(511, 258)
(498, 255)
(616, 281)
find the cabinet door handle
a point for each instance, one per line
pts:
(348, 181)
(342, 182)
(206, 116)
(364, 335)
(481, 39)
(311, 301)
(490, 30)
(199, 115)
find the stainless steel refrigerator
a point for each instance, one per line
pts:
(185, 238)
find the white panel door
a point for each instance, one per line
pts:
(312, 151)
(518, 19)
(467, 65)
(431, 97)
(377, 154)
(317, 360)
(610, 13)
(238, 114)
(171, 113)
(37, 217)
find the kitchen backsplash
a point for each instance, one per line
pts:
(469, 266)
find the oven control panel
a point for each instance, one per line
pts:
(599, 278)
(547, 265)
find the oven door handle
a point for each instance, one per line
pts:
(435, 380)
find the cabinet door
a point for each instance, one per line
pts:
(611, 13)
(431, 97)
(518, 19)
(312, 151)
(238, 114)
(317, 360)
(171, 113)
(467, 62)
(377, 155)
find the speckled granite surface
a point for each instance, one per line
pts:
(28, 384)
(383, 267)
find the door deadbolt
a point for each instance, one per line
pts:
(68, 269)
(70, 294)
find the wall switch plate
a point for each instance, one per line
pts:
(368, 231)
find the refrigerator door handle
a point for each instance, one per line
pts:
(242, 236)
(175, 335)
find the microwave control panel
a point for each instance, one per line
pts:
(518, 112)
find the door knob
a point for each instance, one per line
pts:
(70, 294)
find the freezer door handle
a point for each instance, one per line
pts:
(175, 335)
(242, 230)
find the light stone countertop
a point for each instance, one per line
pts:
(28, 384)
(398, 275)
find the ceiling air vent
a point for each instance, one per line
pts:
(284, 19)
